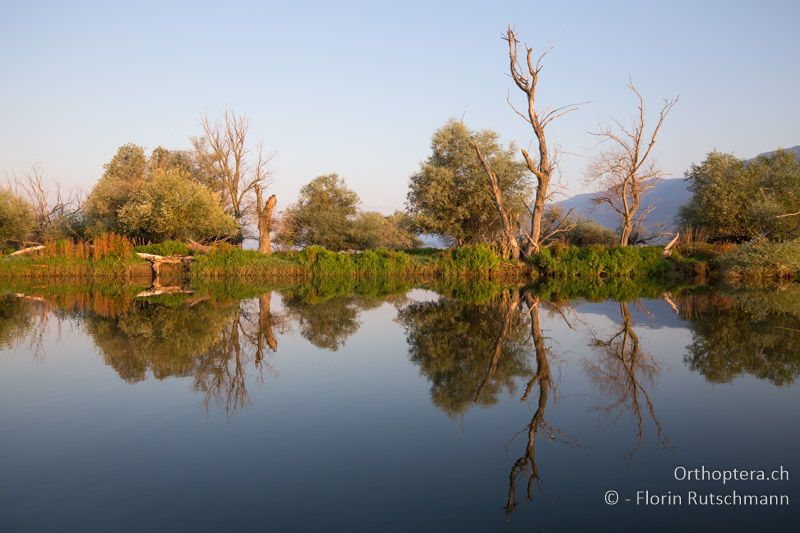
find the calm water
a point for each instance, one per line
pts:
(317, 409)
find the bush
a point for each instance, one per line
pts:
(478, 258)
(165, 248)
(332, 264)
(228, 261)
(761, 259)
(382, 262)
(601, 261)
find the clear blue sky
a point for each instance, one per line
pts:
(358, 88)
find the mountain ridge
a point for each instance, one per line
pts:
(666, 197)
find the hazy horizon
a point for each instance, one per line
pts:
(358, 89)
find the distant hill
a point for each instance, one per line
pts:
(668, 196)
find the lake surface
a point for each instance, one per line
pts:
(396, 409)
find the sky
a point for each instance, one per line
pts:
(357, 88)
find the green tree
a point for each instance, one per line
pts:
(170, 205)
(17, 218)
(323, 215)
(372, 230)
(737, 200)
(123, 175)
(450, 195)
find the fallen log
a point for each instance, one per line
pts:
(169, 259)
(668, 247)
(28, 250)
(197, 247)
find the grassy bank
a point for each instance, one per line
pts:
(113, 257)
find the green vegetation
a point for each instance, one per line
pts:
(155, 198)
(228, 261)
(737, 200)
(326, 214)
(174, 248)
(170, 205)
(449, 196)
(17, 218)
(759, 260)
(110, 256)
(597, 261)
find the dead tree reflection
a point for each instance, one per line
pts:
(624, 373)
(248, 339)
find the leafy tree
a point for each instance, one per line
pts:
(124, 175)
(323, 215)
(738, 200)
(372, 230)
(450, 196)
(133, 197)
(17, 218)
(170, 205)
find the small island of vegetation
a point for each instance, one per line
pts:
(191, 211)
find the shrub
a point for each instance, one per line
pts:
(165, 248)
(478, 258)
(332, 264)
(601, 261)
(761, 259)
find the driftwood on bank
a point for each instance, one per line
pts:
(28, 250)
(157, 260)
(668, 247)
(197, 247)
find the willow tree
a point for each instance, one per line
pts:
(448, 196)
(627, 170)
(238, 171)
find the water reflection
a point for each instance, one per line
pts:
(746, 332)
(541, 379)
(469, 352)
(477, 345)
(624, 372)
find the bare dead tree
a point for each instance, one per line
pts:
(627, 171)
(543, 167)
(226, 159)
(49, 205)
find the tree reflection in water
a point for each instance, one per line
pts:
(472, 348)
(212, 340)
(751, 332)
(624, 373)
(471, 353)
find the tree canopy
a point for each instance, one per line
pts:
(17, 219)
(155, 198)
(323, 215)
(737, 200)
(450, 195)
(170, 205)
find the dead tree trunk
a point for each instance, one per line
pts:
(544, 167)
(497, 195)
(264, 213)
